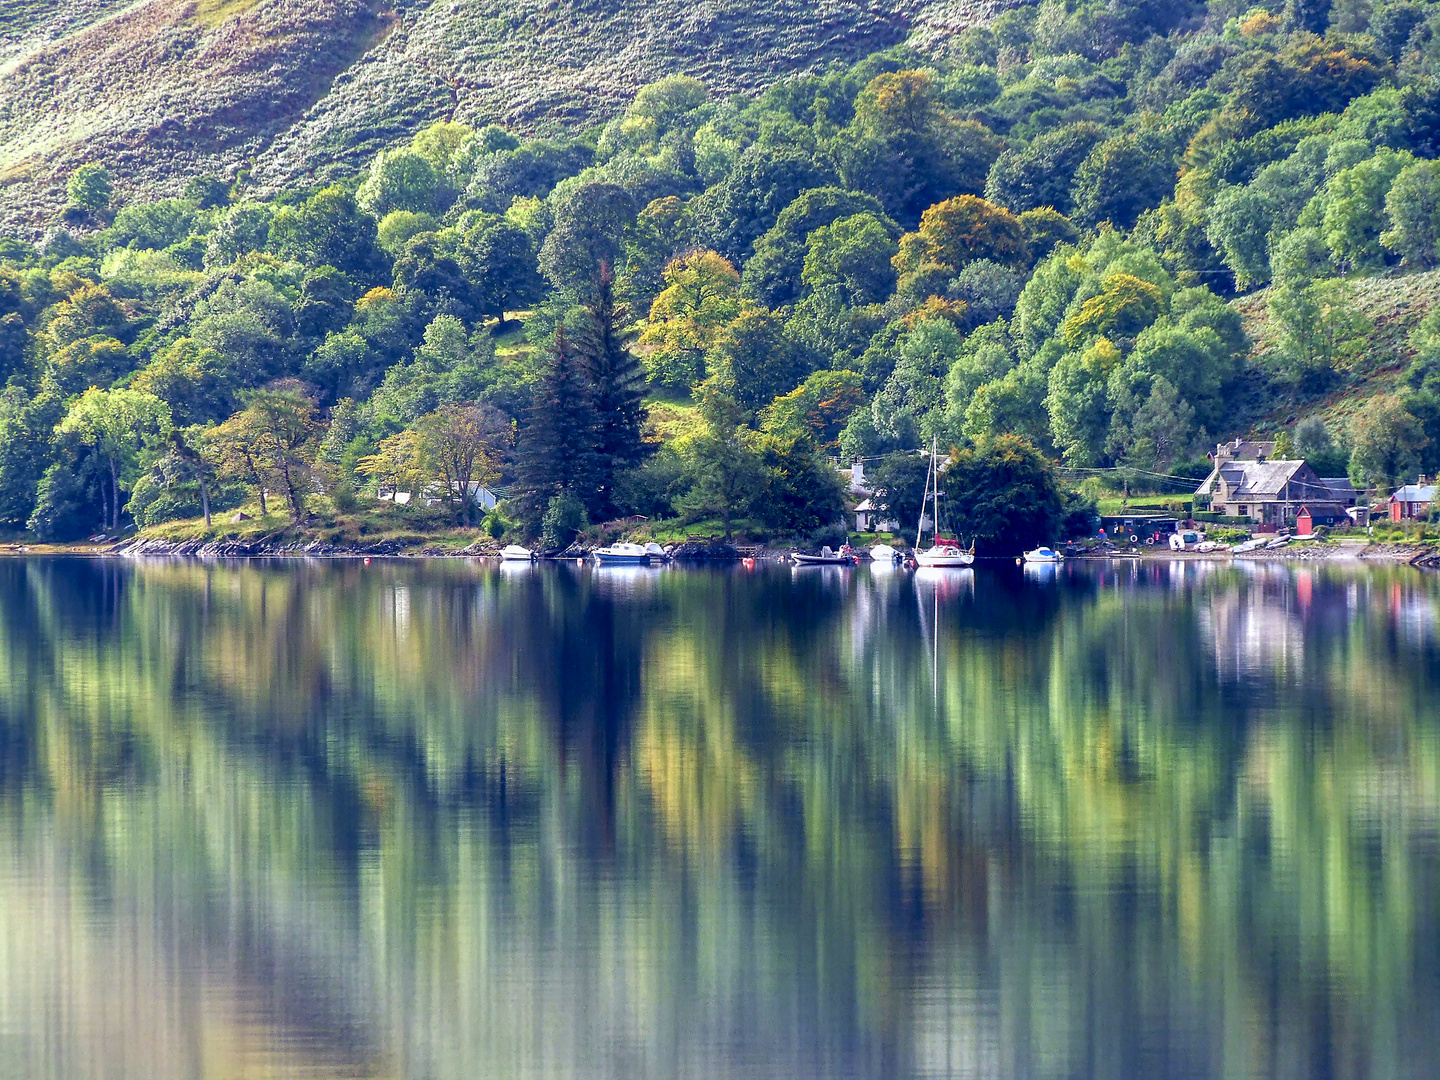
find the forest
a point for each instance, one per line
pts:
(1029, 243)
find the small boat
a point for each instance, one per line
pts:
(826, 557)
(1043, 555)
(1278, 542)
(515, 553)
(622, 554)
(1207, 546)
(1248, 545)
(656, 552)
(885, 555)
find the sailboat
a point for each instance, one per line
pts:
(943, 553)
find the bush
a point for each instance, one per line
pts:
(494, 524)
(342, 496)
(564, 518)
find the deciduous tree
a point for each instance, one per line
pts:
(117, 425)
(463, 446)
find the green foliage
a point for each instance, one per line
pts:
(815, 410)
(1412, 207)
(1125, 176)
(398, 227)
(773, 272)
(853, 254)
(1386, 438)
(401, 179)
(90, 187)
(699, 299)
(1042, 173)
(751, 247)
(564, 518)
(588, 235)
(1322, 330)
(151, 225)
(1354, 209)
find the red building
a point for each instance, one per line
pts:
(1412, 501)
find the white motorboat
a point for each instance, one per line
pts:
(622, 554)
(1043, 555)
(656, 552)
(825, 558)
(516, 553)
(885, 555)
(943, 554)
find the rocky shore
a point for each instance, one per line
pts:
(154, 547)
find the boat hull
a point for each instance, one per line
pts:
(946, 562)
(819, 560)
(622, 560)
(1043, 558)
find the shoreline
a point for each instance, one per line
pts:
(1421, 555)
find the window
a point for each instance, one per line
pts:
(1244, 511)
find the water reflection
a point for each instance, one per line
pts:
(435, 820)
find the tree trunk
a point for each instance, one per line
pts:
(259, 482)
(105, 503)
(296, 511)
(205, 499)
(114, 495)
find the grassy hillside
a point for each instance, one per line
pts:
(1395, 305)
(161, 90)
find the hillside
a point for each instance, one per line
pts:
(1394, 304)
(162, 90)
(1101, 235)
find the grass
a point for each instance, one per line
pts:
(1113, 505)
(669, 419)
(370, 522)
(214, 12)
(1395, 303)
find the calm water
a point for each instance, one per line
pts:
(452, 820)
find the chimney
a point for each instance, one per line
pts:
(857, 474)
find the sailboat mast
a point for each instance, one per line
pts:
(935, 471)
(920, 524)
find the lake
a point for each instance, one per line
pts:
(449, 819)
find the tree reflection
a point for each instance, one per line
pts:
(1156, 819)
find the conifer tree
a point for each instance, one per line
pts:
(558, 444)
(617, 389)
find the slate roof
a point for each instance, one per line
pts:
(1262, 478)
(1414, 493)
(1341, 488)
(1325, 510)
(1262, 481)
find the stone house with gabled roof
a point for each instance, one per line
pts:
(1268, 492)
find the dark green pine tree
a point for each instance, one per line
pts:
(558, 443)
(617, 391)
